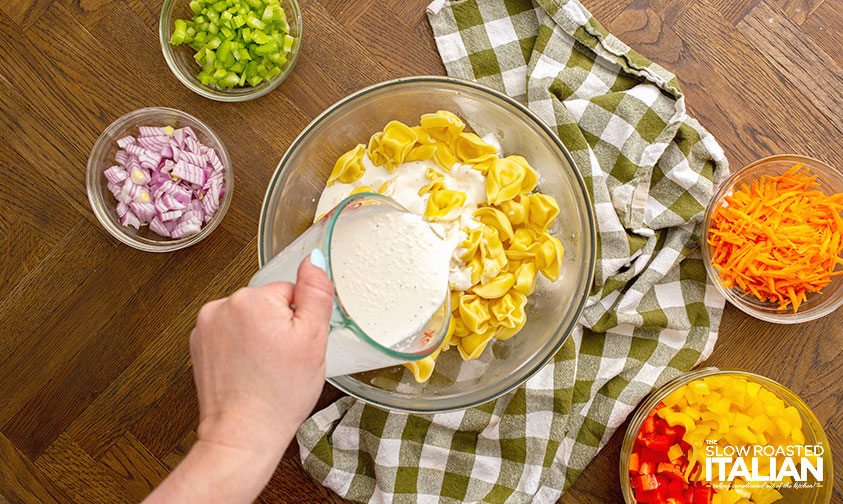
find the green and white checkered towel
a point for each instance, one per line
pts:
(652, 314)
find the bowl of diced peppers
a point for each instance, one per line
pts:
(230, 50)
(773, 239)
(679, 442)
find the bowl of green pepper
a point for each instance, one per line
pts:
(230, 50)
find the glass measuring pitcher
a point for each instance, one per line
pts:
(350, 350)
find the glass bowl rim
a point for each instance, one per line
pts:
(783, 317)
(213, 94)
(655, 396)
(279, 176)
(97, 197)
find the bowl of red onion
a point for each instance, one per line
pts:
(159, 179)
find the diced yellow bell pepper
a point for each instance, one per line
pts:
(674, 397)
(716, 382)
(737, 392)
(675, 453)
(663, 412)
(692, 412)
(730, 497)
(721, 421)
(721, 407)
(766, 495)
(674, 418)
(782, 425)
(793, 417)
(743, 492)
(742, 420)
(697, 435)
(762, 423)
(798, 437)
(745, 435)
(752, 389)
(732, 439)
(700, 388)
(755, 409)
(691, 397)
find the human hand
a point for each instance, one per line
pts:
(259, 365)
(259, 368)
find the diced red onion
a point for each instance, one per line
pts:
(172, 203)
(185, 229)
(122, 157)
(157, 226)
(116, 174)
(189, 172)
(187, 131)
(135, 150)
(181, 195)
(143, 210)
(130, 219)
(214, 160)
(171, 215)
(166, 178)
(194, 159)
(148, 131)
(126, 140)
(140, 176)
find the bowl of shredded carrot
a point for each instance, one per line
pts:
(774, 239)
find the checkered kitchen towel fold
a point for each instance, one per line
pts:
(652, 314)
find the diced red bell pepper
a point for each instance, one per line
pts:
(647, 482)
(657, 442)
(634, 463)
(658, 499)
(674, 491)
(676, 432)
(671, 470)
(702, 495)
(649, 425)
(648, 455)
(665, 467)
(648, 467)
(644, 495)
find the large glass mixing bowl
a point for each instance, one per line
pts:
(290, 204)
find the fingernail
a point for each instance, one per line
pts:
(317, 258)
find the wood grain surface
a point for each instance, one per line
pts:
(96, 391)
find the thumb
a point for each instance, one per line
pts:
(313, 294)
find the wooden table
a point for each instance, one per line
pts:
(96, 395)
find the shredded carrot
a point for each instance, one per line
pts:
(779, 238)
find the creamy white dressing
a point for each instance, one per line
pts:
(390, 271)
(404, 185)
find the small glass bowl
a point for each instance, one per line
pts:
(102, 157)
(813, 430)
(818, 304)
(180, 58)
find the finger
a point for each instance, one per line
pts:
(314, 298)
(282, 292)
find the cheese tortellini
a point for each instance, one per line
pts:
(349, 167)
(507, 242)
